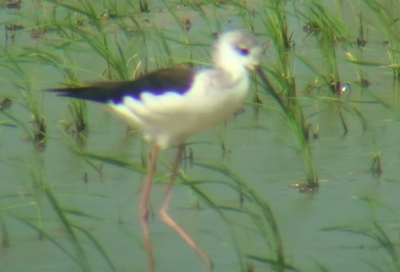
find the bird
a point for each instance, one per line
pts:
(169, 105)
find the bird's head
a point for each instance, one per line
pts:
(237, 49)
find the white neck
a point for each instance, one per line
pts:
(227, 62)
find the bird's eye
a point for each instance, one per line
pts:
(243, 51)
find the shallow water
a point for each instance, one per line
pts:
(259, 147)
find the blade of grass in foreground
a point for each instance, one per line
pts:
(99, 247)
(377, 233)
(268, 228)
(117, 161)
(48, 237)
(81, 256)
(209, 202)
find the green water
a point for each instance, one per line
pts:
(102, 198)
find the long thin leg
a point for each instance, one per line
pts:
(144, 209)
(164, 216)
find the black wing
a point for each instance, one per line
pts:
(157, 82)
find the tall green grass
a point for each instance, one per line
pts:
(132, 48)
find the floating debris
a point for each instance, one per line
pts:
(304, 187)
(311, 27)
(5, 103)
(109, 15)
(13, 5)
(12, 27)
(38, 33)
(186, 24)
(361, 42)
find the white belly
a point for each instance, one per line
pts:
(171, 117)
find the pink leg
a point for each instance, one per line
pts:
(164, 216)
(144, 209)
